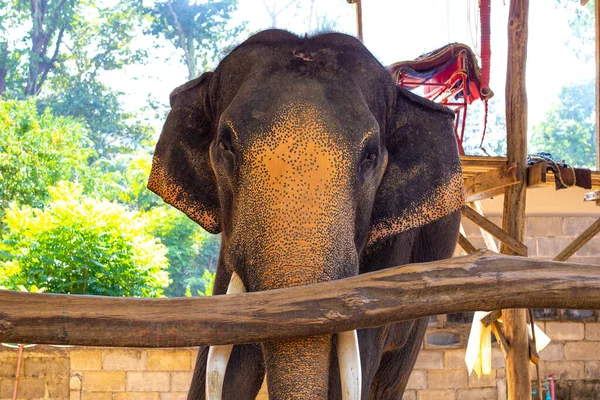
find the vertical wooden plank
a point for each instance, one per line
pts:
(359, 20)
(597, 22)
(513, 222)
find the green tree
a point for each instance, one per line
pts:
(99, 44)
(80, 245)
(59, 49)
(37, 151)
(568, 130)
(198, 29)
(48, 22)
(112, 130)
(124, 180)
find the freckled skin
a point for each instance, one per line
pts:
(294, 196)
(314, 167)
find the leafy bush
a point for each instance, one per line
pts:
(80, 245)
(191, 250)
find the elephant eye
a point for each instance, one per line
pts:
(371, 158)
(223, 146)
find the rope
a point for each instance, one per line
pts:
(485, 121)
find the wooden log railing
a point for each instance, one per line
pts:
(482, 281)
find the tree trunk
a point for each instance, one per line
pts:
(45, 24)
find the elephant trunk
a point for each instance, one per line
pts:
(298, 368)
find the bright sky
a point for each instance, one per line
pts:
(400, 30)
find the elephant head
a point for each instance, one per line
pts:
(305, 155)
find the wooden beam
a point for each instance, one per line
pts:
(536, 174)
(464, 244)
(491, 180)
(476, 164)
(492, 320)
(484, 195)
(597, 19)
(490, 242)
(517, 247)
(513, 221)
(473, 165)
(482, 281)
(359, 20)
(491, 317)
(579, 242)
(500, 338)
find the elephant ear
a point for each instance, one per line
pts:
(181, 170)
(423, 181)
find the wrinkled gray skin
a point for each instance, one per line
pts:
(314, 166)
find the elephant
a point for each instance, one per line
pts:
(313, 165)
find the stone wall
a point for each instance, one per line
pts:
(573, 356)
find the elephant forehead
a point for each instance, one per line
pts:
(298, 152)
(296, 183)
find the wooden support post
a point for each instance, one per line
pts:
(359, 20)
(490, 243)
(464, 244)
(513, 222)
(597, 19)
(517, 247)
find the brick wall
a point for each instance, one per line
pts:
(97, 373)
(573, 356)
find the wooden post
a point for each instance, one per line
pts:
(597, 19)
(359, 22)
(513, 222)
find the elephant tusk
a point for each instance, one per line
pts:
(218, 356)
(349, 363)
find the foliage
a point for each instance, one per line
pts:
(124, 179)
(82, 246)
(63, 57)
(568, 130)
(63, 49)
(99, 44)
(581, 21)
(198, 29)
(37, 151)
(495, 134)
(191, 250)
(208, 278)
(33, 58)
(112, 130)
